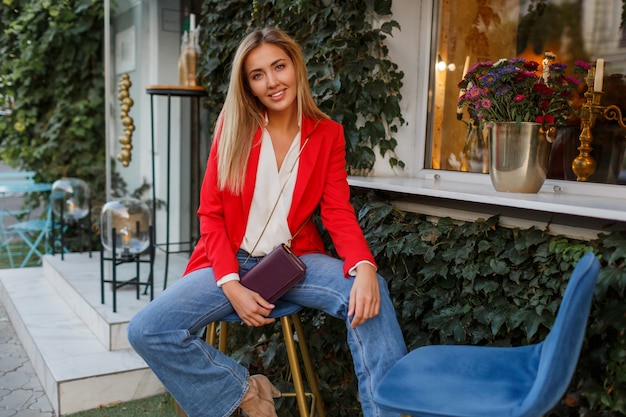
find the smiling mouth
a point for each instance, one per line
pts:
(278, 94)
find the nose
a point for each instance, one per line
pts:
(271, 80)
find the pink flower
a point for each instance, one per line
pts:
(583, 65)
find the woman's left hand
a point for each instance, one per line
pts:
(365, 295)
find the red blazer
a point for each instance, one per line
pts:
(321, 181)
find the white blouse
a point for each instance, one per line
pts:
(269, 182)
(267, 195)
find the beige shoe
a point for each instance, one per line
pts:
(259, 400)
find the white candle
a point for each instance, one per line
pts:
(599, 80)
(192, 22)
(466, 67)
(459, 109)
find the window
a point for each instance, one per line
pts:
(481, 30)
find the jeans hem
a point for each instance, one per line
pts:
(238, 401)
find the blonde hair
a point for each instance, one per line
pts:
(243, 113)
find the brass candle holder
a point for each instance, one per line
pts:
(584, 165)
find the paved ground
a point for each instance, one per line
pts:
(21, 394)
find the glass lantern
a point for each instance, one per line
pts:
(125, 227)
(70, 198)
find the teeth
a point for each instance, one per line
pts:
(277, 94)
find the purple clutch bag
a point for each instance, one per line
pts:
(275, 274)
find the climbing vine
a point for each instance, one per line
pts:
(52, 68)
(351, 75)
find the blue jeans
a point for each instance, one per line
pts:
(206, 382)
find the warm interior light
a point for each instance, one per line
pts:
(125, 226)
(70, 198)
(441, 64)
(127, 236)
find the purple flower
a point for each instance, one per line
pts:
(503, 89)
(558, 67)
(489, 79)
(507, 69)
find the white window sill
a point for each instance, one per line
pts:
(590, 200)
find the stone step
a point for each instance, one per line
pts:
(77, 280)
(75, 343)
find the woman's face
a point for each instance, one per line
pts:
(272, 77)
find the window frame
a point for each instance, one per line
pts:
(593, 200)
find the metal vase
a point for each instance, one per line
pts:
(518, 156)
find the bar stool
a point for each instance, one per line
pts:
(288, 314)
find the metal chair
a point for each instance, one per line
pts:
(32, 232)
(288, 315)
(13, 188)
(480, 381)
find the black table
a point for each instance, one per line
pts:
(195, 93)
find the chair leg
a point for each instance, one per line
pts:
(317, 407)
(211, 334)
(223, 337)
(294, 364)
(311, 376)
(33, 247)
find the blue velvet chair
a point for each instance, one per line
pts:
(480, 381)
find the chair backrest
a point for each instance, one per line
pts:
(561, 348)
(17, 178)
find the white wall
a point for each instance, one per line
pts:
(156, 49)
(410, 49)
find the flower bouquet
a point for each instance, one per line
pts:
(521, 104)
(514, 90)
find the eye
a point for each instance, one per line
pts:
(280, 67)
(256, 76)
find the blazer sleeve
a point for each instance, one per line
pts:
(337, 212)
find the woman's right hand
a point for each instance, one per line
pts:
(249, 305)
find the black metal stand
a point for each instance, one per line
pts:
(196, 168)
(127, 257)
(79, 224)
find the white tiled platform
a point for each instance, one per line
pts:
(77, 345)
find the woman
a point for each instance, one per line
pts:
(275, 158)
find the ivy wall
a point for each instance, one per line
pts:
(53, 70)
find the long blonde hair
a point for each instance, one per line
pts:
(243, 113)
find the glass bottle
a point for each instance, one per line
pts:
(474, 156)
